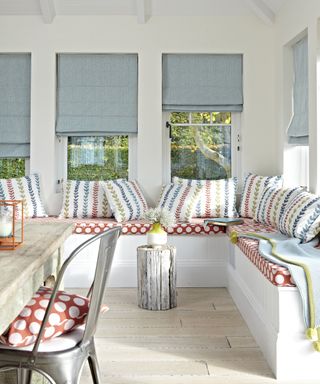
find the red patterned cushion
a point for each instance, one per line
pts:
(69, 311)
(135, 227)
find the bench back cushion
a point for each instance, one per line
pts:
(181, 200)
(272, 205)
(253, 188)
(126, 199)
(301, 218)
(84, 199)
(27, 189)
(217, 198)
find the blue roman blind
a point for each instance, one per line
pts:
(15, 89)
(97, 94)
(202, 82)
(298, 131)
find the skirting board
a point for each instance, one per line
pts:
(275, 321)
(201, 261)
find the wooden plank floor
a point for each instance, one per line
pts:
(202, 341)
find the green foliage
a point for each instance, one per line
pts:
(187, 160)
(190, 164)
(200, 117)
(12, 168)
(115, 163)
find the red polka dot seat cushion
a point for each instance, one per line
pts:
(134, 227)
(275, 273)
(68, 312)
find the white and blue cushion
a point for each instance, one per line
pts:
(27, 189)
(181, 200)
(301, 218)
(217, 199)
(273, 203)
(253, 188)
(126, 199)
(84, 199)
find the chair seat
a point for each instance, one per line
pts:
(58, 344)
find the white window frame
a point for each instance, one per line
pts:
(235, 144)
(62, 156)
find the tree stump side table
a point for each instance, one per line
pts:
(156, 277)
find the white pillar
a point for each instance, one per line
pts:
(149, 158)
(42, 159)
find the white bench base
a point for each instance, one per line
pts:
(274, 317)
(201, 261)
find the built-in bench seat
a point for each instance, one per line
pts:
(136, 227)
(275, 273)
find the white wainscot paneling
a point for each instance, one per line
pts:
(201, 261)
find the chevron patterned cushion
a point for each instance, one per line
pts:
(27, 189)
(84, 199)
(126, 199)
(181, 200)
(253, 188)
(301, 217)
(218, 197)
(273, 203)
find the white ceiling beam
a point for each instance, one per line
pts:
(260, 9)
(48, 10)
(143, 7)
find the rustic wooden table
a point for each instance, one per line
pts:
(156, 267)
(26, 268)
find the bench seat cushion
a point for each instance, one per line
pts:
(276, 274)
(136, 227)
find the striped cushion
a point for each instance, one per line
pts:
(272, 205)
(126, 199)
(27, 189)
(181, 200)
(218, 197)
(84, 199)
(301, 218)
(253, 189)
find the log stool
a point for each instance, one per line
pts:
(156, 277)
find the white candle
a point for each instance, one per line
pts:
(5, 226)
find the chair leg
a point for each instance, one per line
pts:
(24, 376)
(94, 368)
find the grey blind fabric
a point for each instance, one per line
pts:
(298, 131)
(97, 94)
(202, 82)
(15, 88)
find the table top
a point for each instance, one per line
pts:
(18, 266)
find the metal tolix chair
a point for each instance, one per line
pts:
(61, 359)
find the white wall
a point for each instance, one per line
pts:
(294, 19)
(243, 34)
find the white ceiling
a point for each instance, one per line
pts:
(266, 10)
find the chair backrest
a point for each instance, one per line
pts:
(108, 241)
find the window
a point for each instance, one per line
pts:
(202, 145)
(12, 168)
(97, 158)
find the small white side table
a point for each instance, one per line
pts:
(157, 277)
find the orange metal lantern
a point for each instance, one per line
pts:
(11, 224)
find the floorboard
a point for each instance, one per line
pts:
(202, 341)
